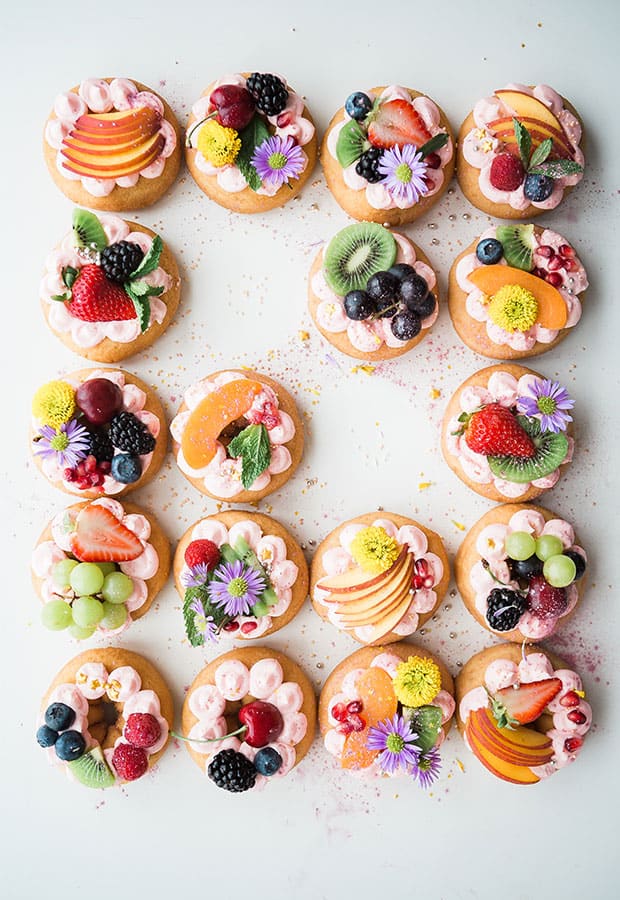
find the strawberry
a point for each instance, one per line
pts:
(96, 299)
(494, 431)
(397, 123)
(202, 552)
(100, 537)
(523, 704)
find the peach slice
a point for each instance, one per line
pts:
(378, 703)
(552, 312)
(539, 132)
(507, 771)
(526, 106)
(390, 621)
(369, 610)
(207, 421)
(518, 746)
(113, 124)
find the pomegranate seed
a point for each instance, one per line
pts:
(90, 464)
(570, 265)
(433, 160)
(570, 699)
(566, 250)
(421, 566)
(356, 722)
(69, 475)
(554, 278)
(105, 467)
(576, 716)
(555, 263)
(546, 251)
(344, 728)
(572, 744)
(339, 712)
(285, 118)
(231, 626)
(248, 627)
(539, 273)
(355, 706)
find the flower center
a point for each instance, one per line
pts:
(238, 587)
(403, 173)
(513, 308)
(424, 764)
(395, 743)
(277, 161)
(59, 442)
(546, 405)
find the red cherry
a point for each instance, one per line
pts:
(572, 744)
(546, 251)
(235, 107)
(566, 250)
(554, 278)
(99, 399)
(355, 706)
(263, 721)
(570, 699)
(576, 716)
(339, 712)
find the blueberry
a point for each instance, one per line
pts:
(70, 745)
(59, 716)
(46, 737)
(489, 251)
(126, 468)
(423, 308)
(538, 187)
(267, 761)
(579, 561)
(526, 568)
(358, 305)
(358, 105)
(406, 325)
(413, 289)
(383, 286)
(401, 270)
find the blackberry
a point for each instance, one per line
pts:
(268, 92)
(368, 165)
(119, 260)
(128, 433)
(232, 771)
(504, 609)
(101, 446)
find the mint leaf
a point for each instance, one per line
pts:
(435, 143)
(252, 445)
(251, 137)
(139, 288)
(69, 274)
(141, 306)
(541, 153)
(426, 722)
(524, 142)
(150, 261)
(556, 168)
(245, 553)
(195, 637)
(352, 142)
(228, 554)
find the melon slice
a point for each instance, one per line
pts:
(552, 311)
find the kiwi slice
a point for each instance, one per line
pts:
(351, 143)
(551, 450)
(88, 231)
(356, 253)
(92, 770)
(518, 242)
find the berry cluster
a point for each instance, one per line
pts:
(261, 724)
(57, 732)
(399, 294)
(130, 759)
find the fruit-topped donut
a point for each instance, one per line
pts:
(106, 718)
(388, 155)
(97, 432)
(372, 292)
(110, 288)
(519, 151)
(240, 575)
(250, 143)
(113, 144)
(506, 433)
(248, 717)
(522, 712)
(237, 435)
(386, 712)
(520, 571)
(379, 577)
(516, 291)
(98, 566)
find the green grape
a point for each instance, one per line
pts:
(106, 568)
(520, 545)
(559, 570)
(56, 615)
(117, 587)
(62, 571)
(114, 615)
(548, 545)
(86, 578)
(80, 634)
(87, 611)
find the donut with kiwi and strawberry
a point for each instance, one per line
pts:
(110, 288)
(522, 712)
(97, 433)
(388, 155)
(112, 144)
(98, 566)
(106, 718)
(516, 291)
(237, 435)
(520, 151)
(507, 433)
(385, 712)
(372, 293)
(379, 577)
(520, 571)
(249, 716)
(250, 143)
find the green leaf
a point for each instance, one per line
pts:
(524, 142)
(252, 445)
(69, 274)
(141, 306)
(61, 298)
(251, 137)
(88, 231)
(150, 261)
(139, 288)
(195, 637)
(541, 153)
(426, 722)
(502, 716)
(245, 553)
(228, 554)
(436, 143)
(352, 142)
(557, 168)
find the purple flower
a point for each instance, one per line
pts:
(427, 768)
(404, 170)
(277, 160)
(196, 576)
(236, 588)
(204, 624)
(546, 400)
(67, 445)
(395, 739)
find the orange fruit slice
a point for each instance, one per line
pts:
(552, 312)
(378, 703)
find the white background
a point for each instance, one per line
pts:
(371, 440)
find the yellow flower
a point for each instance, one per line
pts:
(513, 308)
(219, 145)
(54, 403)
(417, 681)
(374, 550)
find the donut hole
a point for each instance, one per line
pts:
(105, 721)
(231, 431)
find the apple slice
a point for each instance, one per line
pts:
(378, 603)
(388, 623)
(356, 578)
(499, 767)
(552, 311)
(524, 105)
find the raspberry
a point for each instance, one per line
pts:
(142, 730)
(129, 762)
(202, 552)
(506, 173)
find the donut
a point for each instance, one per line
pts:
(231, 544)
(388, 155)
(376, 692)
(516, 291)
(374, 314)
(105, 718)
(261, 705)
(379, 577)
(516, 454)
(521, 711)
(97, 432)
(251, 143)
(506, 585)
(520, 173)
(237, 435)
(110, 288)
(107, 538)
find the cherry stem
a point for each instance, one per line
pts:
(181, 737)
(188, 136)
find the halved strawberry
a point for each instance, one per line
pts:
(96, 299)
(100, 537)
(397, 123)
(523, 704)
